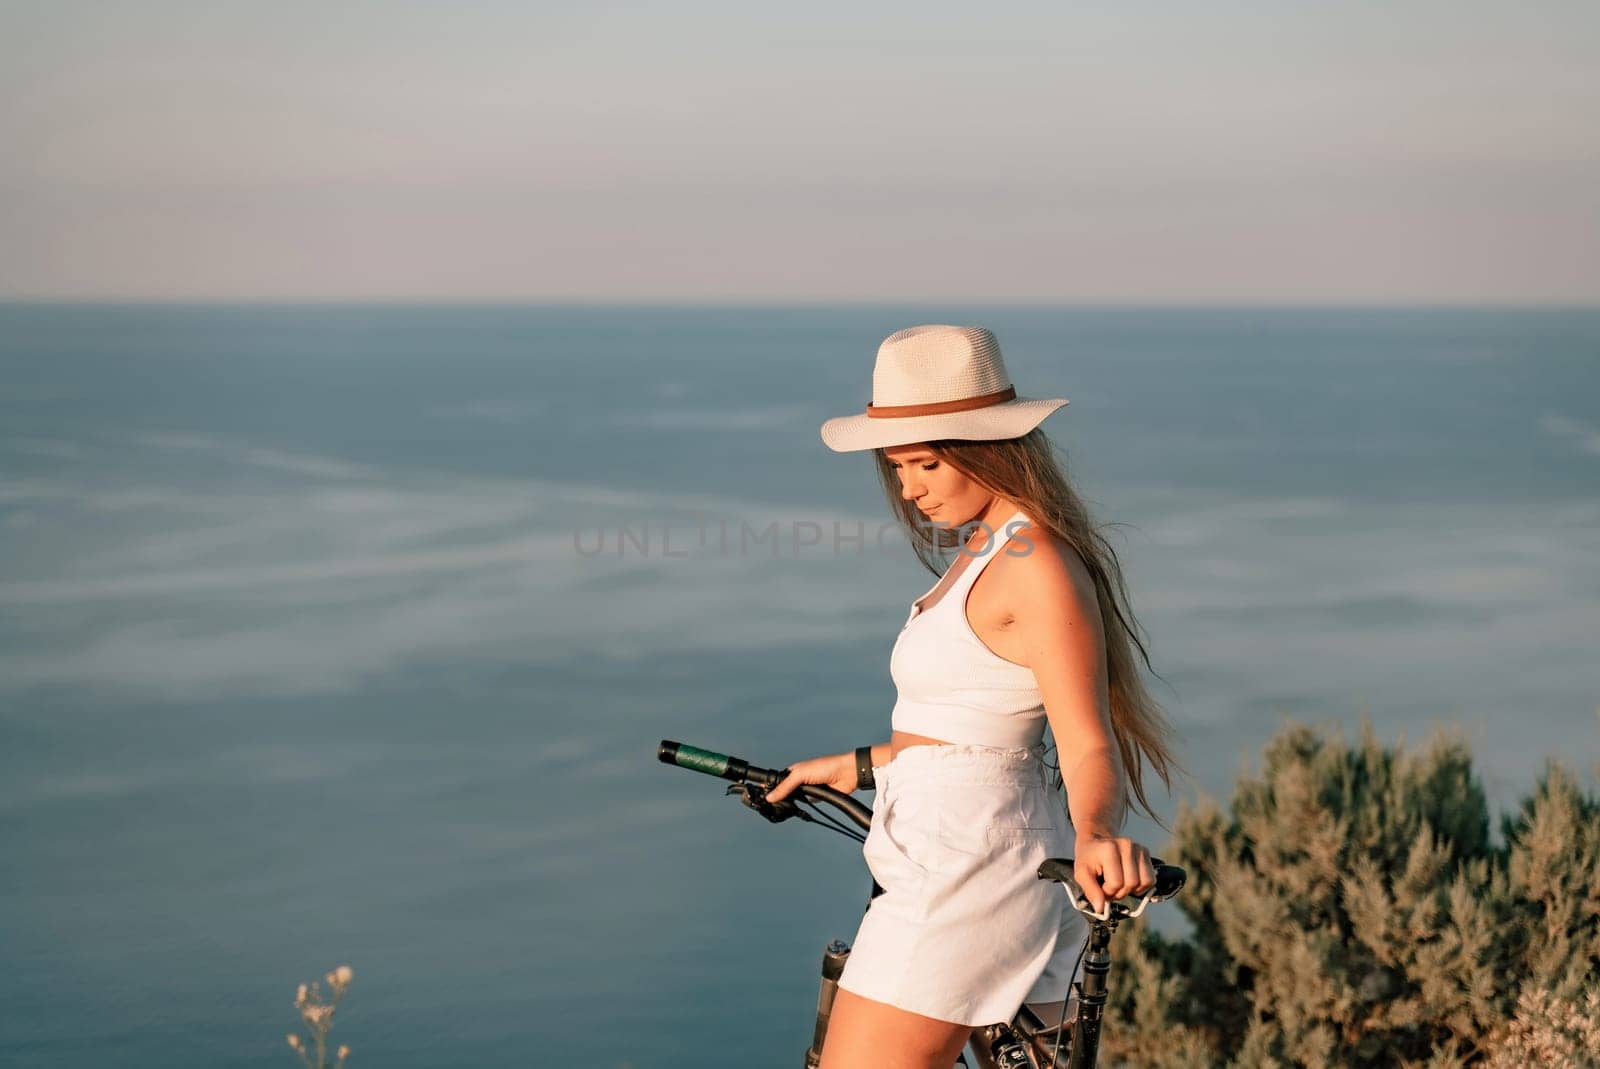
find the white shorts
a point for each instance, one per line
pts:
(965, 931)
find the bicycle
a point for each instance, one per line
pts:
(1024, 1042)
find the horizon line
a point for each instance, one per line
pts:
(796, 303)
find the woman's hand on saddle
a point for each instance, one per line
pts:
(835, 770)
(1109, 867)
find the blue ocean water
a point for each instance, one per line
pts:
(346, 634)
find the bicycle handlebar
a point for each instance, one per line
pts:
(1169, 878)
(741, 771)
(715, 764)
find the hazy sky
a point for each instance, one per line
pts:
(1223, 151)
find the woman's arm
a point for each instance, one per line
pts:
(1058, 619)
(836, 770)
(1095, 794)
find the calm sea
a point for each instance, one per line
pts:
(308, 656)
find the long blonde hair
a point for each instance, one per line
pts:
(1025, 470)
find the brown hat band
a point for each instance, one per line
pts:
(940, 407)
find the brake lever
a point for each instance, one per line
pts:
(756, 798)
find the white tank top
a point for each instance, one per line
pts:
(950, 685)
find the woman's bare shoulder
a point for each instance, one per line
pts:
(1042, 565)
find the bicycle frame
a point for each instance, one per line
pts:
(1027, 1042)
(1024, 1042)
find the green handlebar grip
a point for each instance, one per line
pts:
(697, 760)
(707, 761)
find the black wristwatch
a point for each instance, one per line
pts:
(864, 768)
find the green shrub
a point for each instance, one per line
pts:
(1351, 910)
(1551, 1032)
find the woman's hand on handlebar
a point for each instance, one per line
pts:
(1109, 867)
(835, 770)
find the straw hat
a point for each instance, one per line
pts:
(934, 382)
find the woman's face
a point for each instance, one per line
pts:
(945, 496)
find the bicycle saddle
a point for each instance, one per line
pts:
(1169, 881)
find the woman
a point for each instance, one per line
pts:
(1029, 625)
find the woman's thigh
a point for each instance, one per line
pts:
(866, 1034)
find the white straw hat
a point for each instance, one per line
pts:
(938, 381)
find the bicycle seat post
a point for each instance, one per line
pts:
(1092, 994)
